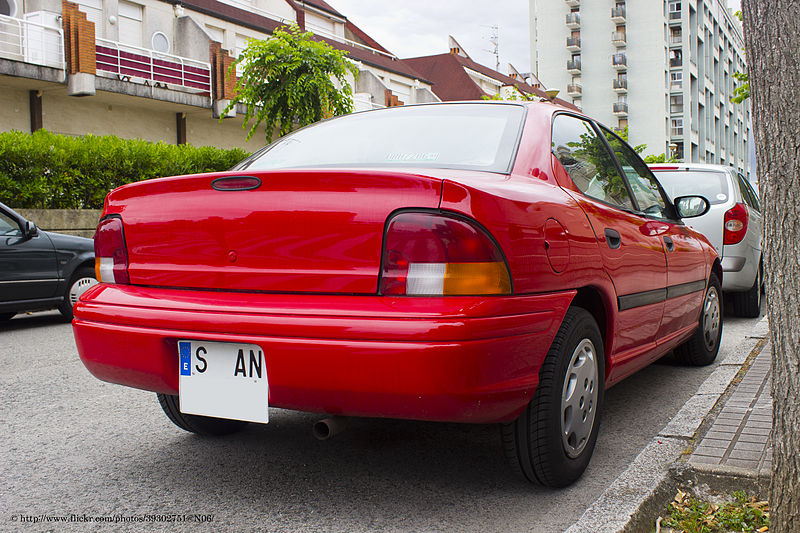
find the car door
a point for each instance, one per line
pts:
(28, 266)
(686, 263)
(632, 255)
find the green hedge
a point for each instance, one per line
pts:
(48, 171)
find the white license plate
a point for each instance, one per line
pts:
(223, 380)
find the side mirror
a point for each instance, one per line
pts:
(30, 230)
(691, 206)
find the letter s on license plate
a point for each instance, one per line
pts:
(223, 380)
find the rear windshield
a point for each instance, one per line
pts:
(711, 185)
(460, 136)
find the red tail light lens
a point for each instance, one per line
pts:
(735, 224)
(110, 254)
(432, 254)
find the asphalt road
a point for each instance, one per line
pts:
(73, 445)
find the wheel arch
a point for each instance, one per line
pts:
(594, 300)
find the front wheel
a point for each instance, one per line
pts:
(702, 347)
(553, 439)
(201, 425)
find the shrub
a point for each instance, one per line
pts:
(48, 171)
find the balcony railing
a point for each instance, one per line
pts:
(618, 14)
(31, 42)
(620, 85)
(675, 38)
(573, 3)
(574, 43)
(675, 61)
(574, 65)
(620, 108)
(619, 61)
(132, 63)
(573, 20)
(674, 16)
(574, 89)
(618, 38)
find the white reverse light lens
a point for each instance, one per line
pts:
(426, 278)
(106, 270)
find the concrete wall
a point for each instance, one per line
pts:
(80, 222)
(16, 112)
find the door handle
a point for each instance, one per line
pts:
(613, 239)
(669, 243)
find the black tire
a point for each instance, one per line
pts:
(82, 279)
(747, 304)
(201, 425)
(533, 443)
(702, 347)
(5, 317)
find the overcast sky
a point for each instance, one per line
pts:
(410, 28)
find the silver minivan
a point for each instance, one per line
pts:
(733, 224)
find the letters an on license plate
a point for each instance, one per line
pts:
(223, 380)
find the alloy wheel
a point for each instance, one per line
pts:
(579, 398)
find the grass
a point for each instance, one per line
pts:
(690, 514)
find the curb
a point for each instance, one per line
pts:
(644, 489)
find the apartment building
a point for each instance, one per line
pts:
(664, 68)
(156, 69)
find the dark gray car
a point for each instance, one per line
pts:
(40, 269)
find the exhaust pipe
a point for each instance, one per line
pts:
(328, 427)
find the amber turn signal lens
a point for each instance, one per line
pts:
(476, 278)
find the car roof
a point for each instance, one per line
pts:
(697, 167)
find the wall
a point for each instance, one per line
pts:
(15, 106)
(80, 222)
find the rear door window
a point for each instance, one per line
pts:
(712, 185)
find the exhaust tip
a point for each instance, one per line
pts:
(328, 427)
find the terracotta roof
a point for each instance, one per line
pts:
(452, 83)
(392, 64)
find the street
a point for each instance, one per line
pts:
(73, 445)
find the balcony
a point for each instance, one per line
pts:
(140, 65)
(574, 3)
(573, 44)
(32, 42)
(621, 109)
(675, 17)
(574, 66)
(618, 39)
(675, 39)
(620, 86)
(575, 90)
(675, 62)
(619, 61)
(618, 14)
(676, 109)
(573, 20)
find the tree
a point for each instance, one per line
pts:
(741, 92)
(772, 42)
(290, 80)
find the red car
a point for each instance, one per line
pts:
(486, 262)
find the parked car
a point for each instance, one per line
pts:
(438, 262)
(41, 269)
(733, 225)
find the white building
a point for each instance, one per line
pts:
(664, 68)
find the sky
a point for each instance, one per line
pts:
(411, 28)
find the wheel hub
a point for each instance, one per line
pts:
(711, 318)
(579, 399)
(79, 287)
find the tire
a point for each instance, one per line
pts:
(81, 281)
(702, 347)
(201, 425)
(748, 303)
(5, 317)
(535, 444)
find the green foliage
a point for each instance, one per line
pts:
(742, 92)
(45, 170)
(693, 515)
(516, 96)
(291, 79)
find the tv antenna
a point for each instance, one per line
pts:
(494, 40)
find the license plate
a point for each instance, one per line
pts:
(223, 380)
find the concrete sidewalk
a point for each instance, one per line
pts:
(720, 439)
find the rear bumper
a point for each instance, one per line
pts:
(460, 359)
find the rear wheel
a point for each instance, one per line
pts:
(702, 347)
(82, 280)
(552, 441)
(202, 425)
(748, 303)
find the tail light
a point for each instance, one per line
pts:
(431, 254)
(735, 224)
(110, 254)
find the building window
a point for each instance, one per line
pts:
(675, 35)
(160, 42)
(8, 8)
(130, 24)
(677, 127)
(676, 104)
(676, 58)
(675, 80)
(674, 10)
(94, 13)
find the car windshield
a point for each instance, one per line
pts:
(460, 136)
(711, 185)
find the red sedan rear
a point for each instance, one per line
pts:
(470, 262)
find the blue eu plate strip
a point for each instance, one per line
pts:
(185, 351)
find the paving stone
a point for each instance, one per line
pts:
(704, 459)
(747, 437)
(740, 463)
(749, 446)
(741, 454)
